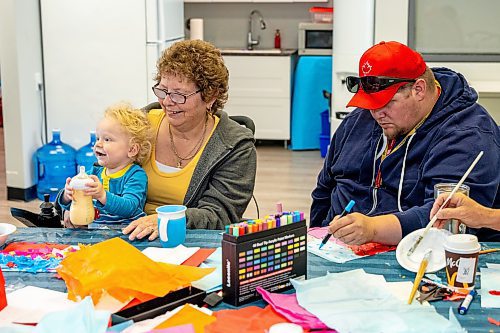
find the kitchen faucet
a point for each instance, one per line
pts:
(250, 41)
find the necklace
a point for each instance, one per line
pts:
(193, 151)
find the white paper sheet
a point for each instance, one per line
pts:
(82, 318)
(176, 255)
(491, 265)
(490, 280)
(30, 304)
(213, 281)
(331, 251)
(355, 301)
(109, 303)
(402, 289)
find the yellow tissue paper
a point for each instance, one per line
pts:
(119, 269)
(188, 315)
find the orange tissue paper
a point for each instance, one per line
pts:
(251, 319)
(116, 268)
(188, 315)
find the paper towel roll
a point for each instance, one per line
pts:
(196, 27)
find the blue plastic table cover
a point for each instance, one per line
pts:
(383, 263)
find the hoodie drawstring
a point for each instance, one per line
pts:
(377, 156)
(403, 169)
(400, 187)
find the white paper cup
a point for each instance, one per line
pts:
(461, 252)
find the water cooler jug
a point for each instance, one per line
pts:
(55, 161)
(85, 155)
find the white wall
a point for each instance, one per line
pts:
(20, 60)
(226, 24)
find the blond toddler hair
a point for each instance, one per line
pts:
(136, 123)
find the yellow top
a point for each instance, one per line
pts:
(167, 188)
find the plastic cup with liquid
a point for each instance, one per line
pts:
(82, 210)
(452, 225)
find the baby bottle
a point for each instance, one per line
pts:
(82, 207)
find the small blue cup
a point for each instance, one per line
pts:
(171, 225)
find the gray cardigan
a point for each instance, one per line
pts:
(224, 178)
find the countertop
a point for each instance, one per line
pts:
(258, 52)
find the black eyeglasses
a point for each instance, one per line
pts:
(177, 98)
(372, 84)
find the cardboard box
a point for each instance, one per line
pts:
(268, 258)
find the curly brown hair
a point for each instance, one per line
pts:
(136, 124)
(201, 63)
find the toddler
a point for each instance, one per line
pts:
(119, 184)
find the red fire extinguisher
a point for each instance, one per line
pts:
(277, 39)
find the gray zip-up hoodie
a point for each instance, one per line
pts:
(224, 178)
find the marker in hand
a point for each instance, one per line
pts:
(347, 210)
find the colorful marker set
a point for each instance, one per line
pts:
(269, 222)
(266, 254)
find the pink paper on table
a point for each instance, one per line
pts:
(287, 306)
(188, 328)
(318, 232)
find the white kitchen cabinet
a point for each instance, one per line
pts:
(260, 88)
(250, 1)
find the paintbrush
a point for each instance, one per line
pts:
(420, 274)
(488, 251)
(434, 218)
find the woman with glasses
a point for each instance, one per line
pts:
(200, 158)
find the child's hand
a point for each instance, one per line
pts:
(96, 190)
(68, 193)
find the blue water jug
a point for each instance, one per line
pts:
(55, 162)
(85, 155)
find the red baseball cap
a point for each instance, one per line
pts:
(390, 59)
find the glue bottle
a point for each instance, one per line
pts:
(82, 208)
(277, 39)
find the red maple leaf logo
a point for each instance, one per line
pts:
(366, 68)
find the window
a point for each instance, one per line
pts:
(455, 30)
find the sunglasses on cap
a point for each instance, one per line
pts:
(372, 84)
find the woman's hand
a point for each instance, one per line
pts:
(142, 227)
(464, 209)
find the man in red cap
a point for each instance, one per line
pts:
(413, 127)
